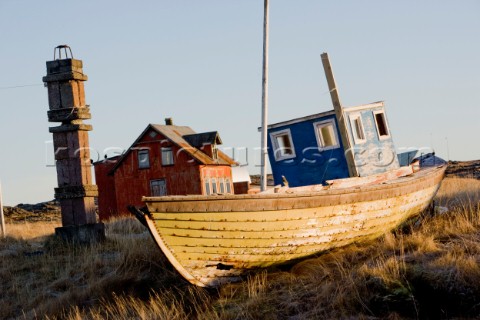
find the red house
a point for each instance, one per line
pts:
(164, 160)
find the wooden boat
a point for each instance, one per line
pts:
(214, 239)
(211, 240)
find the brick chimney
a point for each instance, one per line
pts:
(75, 192)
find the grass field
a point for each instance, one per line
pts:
(430, 268)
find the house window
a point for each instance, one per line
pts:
(221, 181)
(381, 123)
(227, 183)
(143, 159)
(167, 157)
(214, 186)
(282, 145)
(207, 186)
(357, 128)
(326, 133)
(214, 151)
(158, 188)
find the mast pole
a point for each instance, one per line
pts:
(342, 123)
(263, 150)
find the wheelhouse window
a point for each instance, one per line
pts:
(143, 159)
(167, 156)
(326, 133)
(357, 128)
(381, 123)
(282, 145)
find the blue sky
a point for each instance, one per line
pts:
(199, 62)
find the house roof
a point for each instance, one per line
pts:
(111, 159)
(297, 120)
(323, 114)
(198, 140)
(176, 135)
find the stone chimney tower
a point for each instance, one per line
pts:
(75, 192)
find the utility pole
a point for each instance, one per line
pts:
(263, 148)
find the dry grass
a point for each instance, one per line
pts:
(427, 269)
(37, 231)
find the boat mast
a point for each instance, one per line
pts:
(263, 150)
(337, 106)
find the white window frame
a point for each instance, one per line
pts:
(143, 164)
(164, 151)
(214, 151)
(353, 117)
(214, 186)
(320, 142)
(384, 137)
(221, 182)
(277, 151)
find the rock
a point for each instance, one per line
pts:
(43, 211)
(464, 169)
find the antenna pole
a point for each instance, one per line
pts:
(263, 150)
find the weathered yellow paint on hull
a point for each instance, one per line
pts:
(215, 239)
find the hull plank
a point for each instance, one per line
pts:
(217, 239)
(289, 220)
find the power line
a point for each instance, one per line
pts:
(22, 86)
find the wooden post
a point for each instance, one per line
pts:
(342, 123)
(4, 232)
(263, 150)
(76, 193)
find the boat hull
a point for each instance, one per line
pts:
(211, 240)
